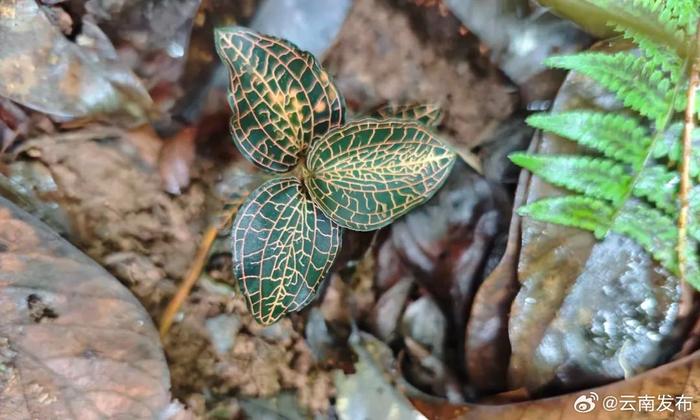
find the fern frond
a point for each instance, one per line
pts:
(572, 210)
(669, 146)
(683, 15)
(594, 177)
(637, 220)
(616, 136)
(659, 186)
(656, 57)
(694, 217)
(630, 185)
(674, 18)
(623, 73)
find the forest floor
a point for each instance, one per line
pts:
(147, 238)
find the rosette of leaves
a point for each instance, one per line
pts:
(289, 118)
(626, 177)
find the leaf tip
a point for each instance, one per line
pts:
(519, 158)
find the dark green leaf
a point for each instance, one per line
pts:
(369, 172)
(427, 114)
(283, 246)
(280, 96)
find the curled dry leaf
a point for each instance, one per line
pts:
(386, 314)
(452, 241)
(175, 160)
(43, 70)
(73, 342)
(486, 346)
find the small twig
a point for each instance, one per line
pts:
(200, 260)
(694, 81)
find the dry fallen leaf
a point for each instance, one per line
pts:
(453, 241)
(14, 122)
(680, 378)
(175, 160)
(486, 346)
(45, 71)
(74, 343)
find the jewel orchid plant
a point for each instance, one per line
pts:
(289, 118)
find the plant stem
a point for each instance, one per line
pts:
(694, 81)
(200, 260)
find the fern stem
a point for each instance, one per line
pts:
(694, 81)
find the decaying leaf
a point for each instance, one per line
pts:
(310, 24)
(280, 96)
(367, 394)
(149, 25)
(175, 159)
(450, 244)
(518, 44)
(486, 344)
(14, 122)
(41, 69)
(74, 344)
(386, 314)
(369, 172)
(665, 383)
(283, 248)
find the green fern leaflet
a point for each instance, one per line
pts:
(629, 181)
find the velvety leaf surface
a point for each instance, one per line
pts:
(74, 343)
(428, 114)
(283, 247)
(280, 96)
(369, 172)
